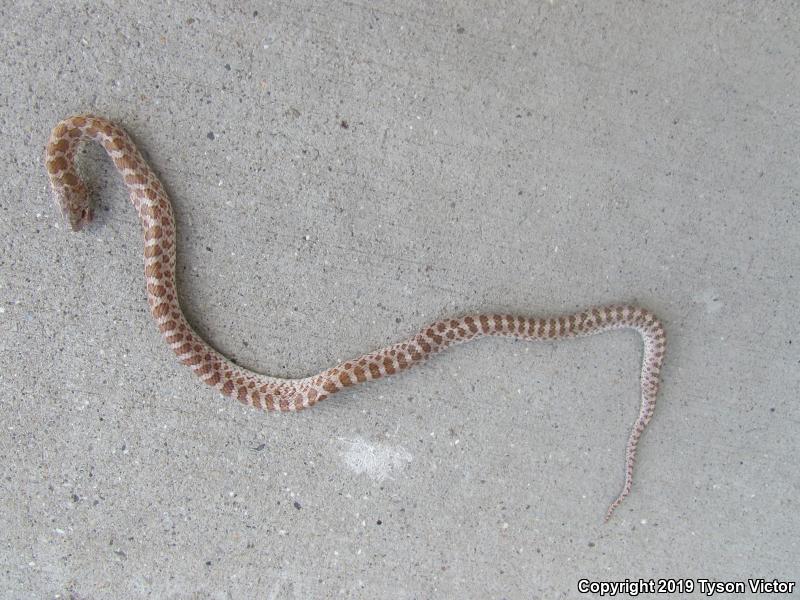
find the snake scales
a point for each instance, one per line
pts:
(261, 391)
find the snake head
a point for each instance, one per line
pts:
(73, 201)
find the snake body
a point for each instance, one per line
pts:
(261, 391)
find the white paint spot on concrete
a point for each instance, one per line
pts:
(377, 461)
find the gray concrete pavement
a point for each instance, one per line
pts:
(342, 173)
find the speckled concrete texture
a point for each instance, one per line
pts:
(342, 173)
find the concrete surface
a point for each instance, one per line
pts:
(342, 173)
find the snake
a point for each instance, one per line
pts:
(154, 209)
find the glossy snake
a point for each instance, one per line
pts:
(261, 391)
